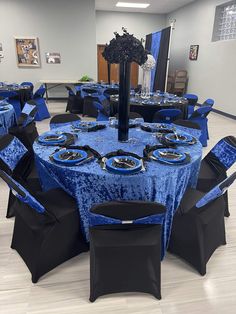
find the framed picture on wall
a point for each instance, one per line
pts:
(193, 53)
(27, 51)
(53, 57)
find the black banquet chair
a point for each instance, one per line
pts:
(26, 130)
(189, 127)
(64, 119)
(132, 115)
(28, 113)
(198, 227)
(215, 164)
(75, 102)
(47, 228)
(18, 162)
(125, 248)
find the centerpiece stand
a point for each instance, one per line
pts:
(122, 50)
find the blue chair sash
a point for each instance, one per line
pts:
(12, 154)
(217, 191)
(225, 152)
(96, 220)
(28, 198)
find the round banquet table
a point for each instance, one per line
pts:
(148, 107)
(90, 185)
(7, 119)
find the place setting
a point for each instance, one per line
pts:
(57, 139)
(157, 127)
(88, 126)
(4, 108)
(176, 138)
(122, 163)
(166, 155)
(74, 155)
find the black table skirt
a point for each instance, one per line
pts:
(148, 111)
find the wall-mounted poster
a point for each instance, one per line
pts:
(53, 57)
(27, 51)
(193, 53)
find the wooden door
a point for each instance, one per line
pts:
(103, 73)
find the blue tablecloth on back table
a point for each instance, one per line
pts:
(7, 119)
(90, 185)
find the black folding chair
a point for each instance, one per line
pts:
(215, 164)
(125, 248)
(198, 227)
(132, 115)
(27, 134)
(18, 162)
(28, 113)
(63, 120)
(47, 228)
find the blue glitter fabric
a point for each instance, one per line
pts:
(7, 119)
(91, 185)
(96, 220)
(210, 196)
(12, 154)
(225, 152)
(28, 198)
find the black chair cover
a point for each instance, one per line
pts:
(27, 135)
(187, 124)
(212, 171)
(45, 240)
(132, 115)
(23, 116)
(125, 257)
(64, 118)
(197, 232)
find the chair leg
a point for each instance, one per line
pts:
(227, 213)
(10, 207)
(34, 279)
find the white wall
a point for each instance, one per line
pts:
(139, 24)
(213, 75)
(62, 26)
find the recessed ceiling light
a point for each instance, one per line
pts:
(132, 5)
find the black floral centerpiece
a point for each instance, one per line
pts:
(124, 49)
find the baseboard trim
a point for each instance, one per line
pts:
(57, 98)
(222, 113)
(225, 114)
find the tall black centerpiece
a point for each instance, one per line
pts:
(124, 49)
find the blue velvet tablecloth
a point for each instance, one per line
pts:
(90, 185)
(7, 119)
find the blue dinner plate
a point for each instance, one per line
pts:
(159, 154)
(86, 125)
(52, 139)
(183, 138)
(113, 166)
(162, 127)
(69, 156)
(4, 108)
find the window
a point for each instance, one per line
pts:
(225, 22)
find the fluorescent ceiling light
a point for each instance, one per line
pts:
(132, 5)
